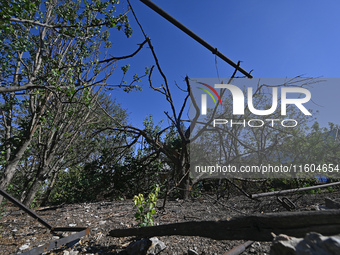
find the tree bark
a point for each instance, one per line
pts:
(32, 191)
(49, 188)
(185, 183)
(12, 165)
(27, 138)
(42, 171)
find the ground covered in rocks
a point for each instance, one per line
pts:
(20, 233)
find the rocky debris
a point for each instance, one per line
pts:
(256, 246)
(72, 252)
(24, 247)
(312, 244)
(156, 246)
(139, 247)
(145, 246)
(18, 229)
(284, 245)
(192, 252)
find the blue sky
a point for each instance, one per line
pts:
(272, 38)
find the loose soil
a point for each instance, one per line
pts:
(18, 230)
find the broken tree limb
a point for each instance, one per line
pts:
(194, 36)
(332, 204)
(255, 227)
(280, 192)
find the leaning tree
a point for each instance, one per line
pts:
(51, 51)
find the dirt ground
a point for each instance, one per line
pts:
(19, 232)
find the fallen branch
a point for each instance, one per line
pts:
(255, 227)
(280, 192)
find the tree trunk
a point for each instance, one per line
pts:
(12, 165)
(42, 172)
(8, 129)
(50, 188)
(33, 191)
(184, 185)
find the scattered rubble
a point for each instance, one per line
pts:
(149, 246)
(156, 246)
(18, 229)
(139, 247)
(312, 244)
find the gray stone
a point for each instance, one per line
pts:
(315, 243)
(252, 250)
(156, 246)
(72, 252)
(145, 246)
(312, 244)
(139, 247)
(24, 247)
(284, 245)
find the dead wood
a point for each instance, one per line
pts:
(332, 204)
(255, 227)
(281, 192)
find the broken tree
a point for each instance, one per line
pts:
(254, 227)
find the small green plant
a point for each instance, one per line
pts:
(34, 203)
(146, 208)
